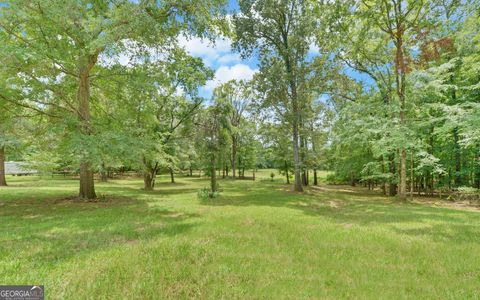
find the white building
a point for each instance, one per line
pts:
(18, 168)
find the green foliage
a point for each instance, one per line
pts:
(272, 175)
(207, 194)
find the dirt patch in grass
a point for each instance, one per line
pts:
(464, 205)
(363, 192)
(343, 189)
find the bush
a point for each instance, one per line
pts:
(465, 193)
(332, 178)
(272, 175)
(206, 194)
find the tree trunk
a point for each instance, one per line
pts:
(87, 188)
(315, 180)
(458, 159)
(149, 174)
(3, 181)
(191, 172)
(286, 172)
(411, 175)
(477, 170)
(297, 187)
(400, 75)
(384, 183)
(403, 174)
(392, 188)
(213, 175)
(253, 174)
(148, 181)
(296, 158)
(234, 156)
(302, 159)
(103, 174)
(172, 176)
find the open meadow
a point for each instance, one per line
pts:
(256, 240)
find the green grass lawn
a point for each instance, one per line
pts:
(257, 240)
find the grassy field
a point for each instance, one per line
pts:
(257, 240)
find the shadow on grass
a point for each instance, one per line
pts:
(357, 207)
(136, 191)
(158, 184)
(56, 230)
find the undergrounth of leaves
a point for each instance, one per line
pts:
(256, 240)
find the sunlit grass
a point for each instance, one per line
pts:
(257, 240)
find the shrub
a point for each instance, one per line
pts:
(332, 178)
(206, 194)
(465, 193)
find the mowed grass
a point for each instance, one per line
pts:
(257, 240)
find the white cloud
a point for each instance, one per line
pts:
(229, 58)
(226, 73)
(218, 51)
(199, 47)
(313, 49)
(218, 55)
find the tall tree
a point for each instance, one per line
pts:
(214, 126)
(398, 19)
(281, 33)
(71, 45)
(237, 95)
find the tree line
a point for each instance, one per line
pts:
(383, 92)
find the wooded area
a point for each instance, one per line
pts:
(380, 98)
(388, 97)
